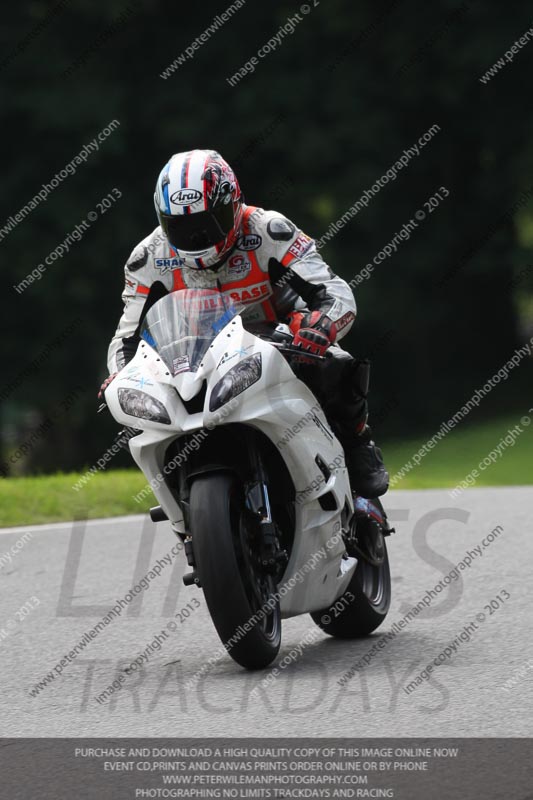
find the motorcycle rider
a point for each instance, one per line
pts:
(209, 238)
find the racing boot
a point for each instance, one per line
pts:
(368, 476)
(341, 385)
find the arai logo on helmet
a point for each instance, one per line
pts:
(186, 197)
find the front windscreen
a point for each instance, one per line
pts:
(182, 325)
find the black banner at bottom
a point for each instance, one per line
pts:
(405, 769)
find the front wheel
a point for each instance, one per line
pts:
(240, 596)
(365, 603)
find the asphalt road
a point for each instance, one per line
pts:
(77, 571)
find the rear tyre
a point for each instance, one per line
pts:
(235, 587)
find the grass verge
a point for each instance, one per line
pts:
(51, 498)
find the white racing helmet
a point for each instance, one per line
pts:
(199, 206)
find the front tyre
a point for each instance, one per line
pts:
(235, 587)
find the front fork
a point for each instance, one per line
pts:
(257, 504)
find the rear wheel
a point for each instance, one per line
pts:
(365, 603)
(236, 588)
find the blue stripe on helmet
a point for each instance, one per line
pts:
(165, 197)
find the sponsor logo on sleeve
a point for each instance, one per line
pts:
(345, 320)
(280, 229)
(186, 197)
(301, 245)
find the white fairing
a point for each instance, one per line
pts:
(284, 409)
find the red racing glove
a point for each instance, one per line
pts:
(314, 332)
(105, 384)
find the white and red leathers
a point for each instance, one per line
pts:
(274, 267)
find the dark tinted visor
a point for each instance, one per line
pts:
(195, 232)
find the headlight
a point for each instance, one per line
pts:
(140, 404)
(235, 381)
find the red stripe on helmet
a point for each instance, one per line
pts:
(205, 183)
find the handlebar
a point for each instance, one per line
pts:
(293, 350)
(282, 340)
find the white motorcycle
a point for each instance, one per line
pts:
(253, 480)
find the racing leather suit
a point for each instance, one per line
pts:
(300, 279)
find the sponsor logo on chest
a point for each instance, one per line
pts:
(239, 265)
(167, 264)
(250, 294)
(249, 241)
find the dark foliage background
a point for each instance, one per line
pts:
(315, 125)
